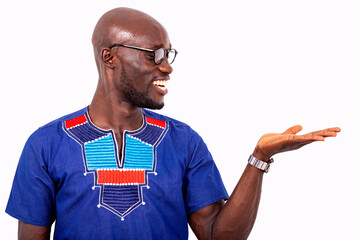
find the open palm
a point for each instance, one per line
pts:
(273, 143)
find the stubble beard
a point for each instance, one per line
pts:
(137, 98)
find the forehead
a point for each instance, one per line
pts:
(146, 35)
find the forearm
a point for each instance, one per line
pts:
(238, 215)
(31, 232)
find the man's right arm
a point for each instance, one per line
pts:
(31, 232)
(235, 219)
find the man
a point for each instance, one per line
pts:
(115, 170)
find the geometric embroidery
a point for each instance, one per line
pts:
(100, 153)
(75, 122)
(120, 182)
(121, 177)
(85, 133)
(120, 198)
(138, 155)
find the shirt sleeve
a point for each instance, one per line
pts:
(33, 192)
(202, 181)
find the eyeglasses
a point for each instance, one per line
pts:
(159, 54)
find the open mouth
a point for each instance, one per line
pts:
(160, 84)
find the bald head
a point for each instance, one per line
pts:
(124, 25)
(128, 75)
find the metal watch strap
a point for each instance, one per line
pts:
(264, 166)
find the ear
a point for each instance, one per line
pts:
(108, 58)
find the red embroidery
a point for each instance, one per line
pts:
(121, 177)
(75, 121)
(156, 122)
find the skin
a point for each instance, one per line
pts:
(124, 74)
(31, 232)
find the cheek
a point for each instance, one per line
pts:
(141, 74)
(137, 61)
(139, 69)
(142, 79)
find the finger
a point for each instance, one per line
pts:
(335, 129)
(307, 138)
(320, 135)
(293, 130)
(329, 132)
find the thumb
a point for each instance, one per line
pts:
(293, 130)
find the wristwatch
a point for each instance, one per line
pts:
(264, 166)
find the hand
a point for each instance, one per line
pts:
(273, 143)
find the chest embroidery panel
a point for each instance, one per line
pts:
(120, 182)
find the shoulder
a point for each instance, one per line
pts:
(62, 119)
(177, 128)
(53, 131)
(161, 117)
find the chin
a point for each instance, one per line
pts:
(155, 106)
(149, 104)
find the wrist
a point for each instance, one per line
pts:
(259, 164)
(261, 155)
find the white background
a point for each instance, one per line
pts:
(245, 68)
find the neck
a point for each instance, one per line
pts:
(109, 113)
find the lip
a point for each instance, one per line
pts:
(162, 90)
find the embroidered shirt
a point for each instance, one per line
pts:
(70, 171)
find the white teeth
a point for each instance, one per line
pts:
(160, 83)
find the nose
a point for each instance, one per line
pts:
(165, 67)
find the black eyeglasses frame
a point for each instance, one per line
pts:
(166, 51)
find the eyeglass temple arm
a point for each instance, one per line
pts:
(138, 48)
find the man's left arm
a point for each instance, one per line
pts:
(235, 219)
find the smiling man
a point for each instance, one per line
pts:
(115, 170)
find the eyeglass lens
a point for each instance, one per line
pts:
(160, 55)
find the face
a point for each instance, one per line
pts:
(137, 97)
(139, 80)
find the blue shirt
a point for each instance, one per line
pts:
(73, 172)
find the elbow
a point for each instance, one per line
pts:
(223, 232)
(229, 230)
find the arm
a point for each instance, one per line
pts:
(235, 219)
(31, 232)
(32, 197)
